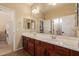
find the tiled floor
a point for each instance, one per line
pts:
(4, 48)
(18, 53)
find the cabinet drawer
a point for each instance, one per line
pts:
(62, 51)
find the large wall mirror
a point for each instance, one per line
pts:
(28, 24)
(60, 19)
(65, 25)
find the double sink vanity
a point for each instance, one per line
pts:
(41, 44)
(54, 33)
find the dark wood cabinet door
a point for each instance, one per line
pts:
(74, 53)
(50, 50)
(24, 43)
(43, 49)
(31, 46)
(51, 53)
(60, 51)
(37, 51)
(37, 48)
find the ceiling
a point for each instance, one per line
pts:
(44, 7)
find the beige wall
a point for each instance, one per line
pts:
(20, 15)
(64, 10)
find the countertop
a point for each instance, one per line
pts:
(63, 41)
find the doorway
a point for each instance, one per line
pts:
(6, 31)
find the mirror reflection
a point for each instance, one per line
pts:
(65, 25)
(59, 19)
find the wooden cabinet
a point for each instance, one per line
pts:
(50, 50)
(74, 53)
(30, 46)
(43, 49)
(62, 51)
(39, 48)
(25, 40)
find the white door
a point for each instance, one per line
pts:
(2, 26)
(7, 22)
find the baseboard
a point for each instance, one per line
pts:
(19, 49)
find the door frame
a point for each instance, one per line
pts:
(13, 24)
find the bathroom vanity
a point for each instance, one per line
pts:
(53, 34)
(56, 37)
(44, 45)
